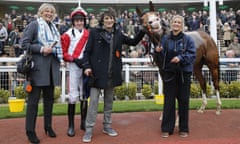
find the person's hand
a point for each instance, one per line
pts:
(232, 65)
(88, 72)
(47, 50)
(175, 60)
(17, 46)
(62, 64)
(158, 49)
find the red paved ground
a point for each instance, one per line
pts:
(134, 128)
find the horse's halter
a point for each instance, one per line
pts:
(152, 23)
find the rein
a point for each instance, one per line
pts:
(152, 39)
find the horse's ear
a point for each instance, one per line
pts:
(151, 6)
(138, 11)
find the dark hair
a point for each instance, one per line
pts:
(108, 12)
(77, 17)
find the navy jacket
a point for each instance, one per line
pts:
(181, 46)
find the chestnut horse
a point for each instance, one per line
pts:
(207, 52)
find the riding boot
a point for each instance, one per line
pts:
(83, 108)
(48, 106)
(32, 137)
(71, 113)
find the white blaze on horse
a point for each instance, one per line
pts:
(207, 52)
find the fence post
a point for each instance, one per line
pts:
(159, 84)
(63, 95)
(127, 74)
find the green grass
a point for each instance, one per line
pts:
(123, 106)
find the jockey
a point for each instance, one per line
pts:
(73, 44)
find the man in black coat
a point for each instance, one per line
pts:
(103, 62)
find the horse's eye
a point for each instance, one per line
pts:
(157, 19)
(150, 22)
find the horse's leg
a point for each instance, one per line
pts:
(177, 120)
(215, 79)
(161, 75)
(161, 116)
(219, 103)
(202, 82)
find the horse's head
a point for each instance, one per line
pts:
(151, 23)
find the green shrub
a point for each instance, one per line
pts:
(234, 89)
(132, 90)
(4, 94)
(124, 90)
(19, 92)
(195, 90)
(209, 90)
(57, 93)
(223, 90)
(156, 87)
(121, 91)
(147, 91)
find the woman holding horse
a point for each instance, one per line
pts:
(179, 52)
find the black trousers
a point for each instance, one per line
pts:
(32, 106)
(2, 43)
(176, 86)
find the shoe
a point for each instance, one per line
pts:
(49, 131)
(110, 131)
(71, 132)
(87, 137)
(165, 135)
(183, 134)
(32, 137)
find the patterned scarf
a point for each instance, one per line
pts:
(47, 36)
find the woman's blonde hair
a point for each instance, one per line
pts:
(45, 6)
(179, 17)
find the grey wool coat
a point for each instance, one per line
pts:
(46, 69)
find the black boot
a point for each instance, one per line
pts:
(32, 137)
(49, 131)
(48, 107)
(83, 108)
(71, 113)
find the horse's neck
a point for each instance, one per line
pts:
(165, 32)
(156, 37)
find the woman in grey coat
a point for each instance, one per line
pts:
(42, 38)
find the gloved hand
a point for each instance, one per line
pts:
(78, 62)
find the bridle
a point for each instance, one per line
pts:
(152, 39)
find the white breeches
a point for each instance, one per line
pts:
(75, 83)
